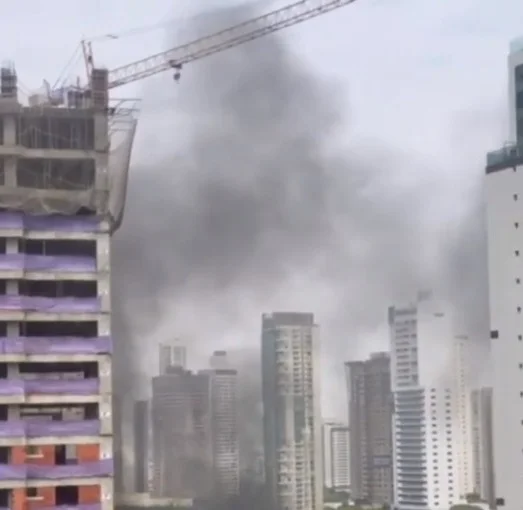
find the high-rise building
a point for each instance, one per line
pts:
(370, 425)
(515, 84)
(292, 412)
(224, 425)
(142, 444)
(504, 199)
(336, 457)
(182, 434)
(482, 454)
(58, 208)
(172, 355)
(429, 411)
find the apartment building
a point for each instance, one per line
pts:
(504, 199)
(427, 381)
(56, 218)
(370, 428)
(182, 434)
(224, 425)
(292, 412)
(336, 456)
(482, 447)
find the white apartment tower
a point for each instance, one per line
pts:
(429, 439)
(336, 456)
(504, 197)
(292, 412)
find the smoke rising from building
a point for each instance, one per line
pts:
(258, 185)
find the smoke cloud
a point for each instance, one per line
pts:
(256, 196)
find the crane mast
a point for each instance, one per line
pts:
(249, 30)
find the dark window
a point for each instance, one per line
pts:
(517, 253)
(494, 334)
(518, 280)
(500, 501)
(31, 492)
(516, 224)
(515, 196)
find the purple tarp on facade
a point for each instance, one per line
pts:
(11, 387)
(52, 305)
(20, 221)
(56, 345)
(44, 428)
(33, 471)
(21, 261)
(94, 506)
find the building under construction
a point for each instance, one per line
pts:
(59, 204)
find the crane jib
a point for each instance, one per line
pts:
(223, 40)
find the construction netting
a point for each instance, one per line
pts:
(66, 186)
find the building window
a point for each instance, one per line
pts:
(517, 253)
(516, 224)
(515, 196)
(31, 492)
(33, 451)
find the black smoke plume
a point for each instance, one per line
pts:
(256, 182)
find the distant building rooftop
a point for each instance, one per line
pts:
(508, 156)
(516, 45)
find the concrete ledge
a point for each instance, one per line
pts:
(50, 358)
(21, 151)
(42, 441)
(50, 399)
(17, 484)
(43, 235)
(20, 274)
(19, 316)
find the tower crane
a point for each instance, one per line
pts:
(175, 58)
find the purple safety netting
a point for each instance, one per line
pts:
(20, 221)
(33, 471)
(13, 387)
(21, 261)
(44, 428)
(93, 506)
(56, 345)
(53, 305)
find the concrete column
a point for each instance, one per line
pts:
(104, 325)
(13, 412)
(106, 447)
(10, 141)
(103, 292)
(11, 245)
(106, 415)
(107, 490)
(12, 287)
(13, 329)
(103, 258)
(105, 374)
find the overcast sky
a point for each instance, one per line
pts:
(425, 78)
